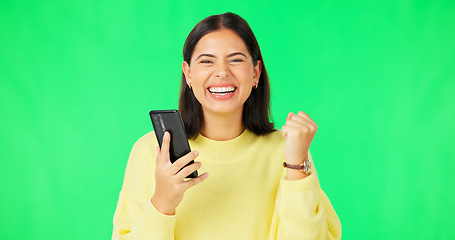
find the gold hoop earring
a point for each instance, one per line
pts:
(256, 86)
(189, 85)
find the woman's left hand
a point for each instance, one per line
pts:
(299, 132)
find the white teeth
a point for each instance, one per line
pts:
(222, 90)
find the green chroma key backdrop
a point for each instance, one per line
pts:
(79, 77)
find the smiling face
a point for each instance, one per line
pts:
(221, 72)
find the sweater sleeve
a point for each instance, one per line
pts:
(303, 211)
(135, 216)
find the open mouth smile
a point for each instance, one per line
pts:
(221, 91)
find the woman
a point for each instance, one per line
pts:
(224, 102)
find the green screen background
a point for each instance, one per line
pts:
(79, 77)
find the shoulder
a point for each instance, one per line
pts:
(270, 153)
(275, 137)
(146, 145)
(148, 140)
(141, 162)
(142, 154)
(271, 141)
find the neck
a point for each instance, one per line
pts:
(222, 126)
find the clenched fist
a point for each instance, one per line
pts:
(299, 132)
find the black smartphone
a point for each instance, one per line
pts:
(171, 121)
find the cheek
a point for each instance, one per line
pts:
(243, 73)
(200, 73)
(247, 93)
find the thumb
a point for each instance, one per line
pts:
(290, 114)
(284, 131)
(163, 153)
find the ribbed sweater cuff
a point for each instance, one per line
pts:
(160, 226)
(301, 185)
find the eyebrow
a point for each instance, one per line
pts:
(204, 55)
(236, 53)
(211, 55)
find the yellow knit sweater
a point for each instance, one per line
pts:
(246, 195)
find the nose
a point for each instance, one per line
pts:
(221, 71)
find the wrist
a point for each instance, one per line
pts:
(296, 160)
(298, 171)
(162, 208)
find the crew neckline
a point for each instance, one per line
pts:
(223, 151)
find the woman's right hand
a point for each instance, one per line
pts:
(170, 184)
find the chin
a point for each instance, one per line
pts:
(220, 109)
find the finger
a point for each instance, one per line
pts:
(290, 114)
(298, 131)
(304, 119)
(194, 181)
(295, 123)
(289, 129)
(181, 162)
(299, 122)
(301, 118)
(303, 114)
(307, 126)
(286, 129)
(188, 170)
(164, 151)
(166, 142)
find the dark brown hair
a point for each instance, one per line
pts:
(256, 109)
